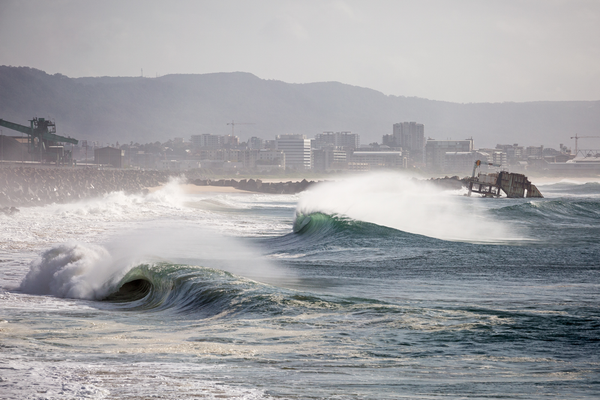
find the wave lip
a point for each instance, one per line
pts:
(320, 223)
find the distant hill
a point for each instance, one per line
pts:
(111, 109)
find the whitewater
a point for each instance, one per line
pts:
(375, 286)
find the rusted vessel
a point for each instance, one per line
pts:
(494, 184)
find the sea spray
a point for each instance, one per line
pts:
(123, 206)
(396, 201)
(70, 270)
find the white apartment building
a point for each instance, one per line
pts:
(297, 151)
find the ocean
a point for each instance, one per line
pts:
(376, 286)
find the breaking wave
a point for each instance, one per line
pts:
(94, 272)
(396, 201)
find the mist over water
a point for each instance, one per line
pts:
(400, 202)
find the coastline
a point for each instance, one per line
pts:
(190, 188)
(28, 185)
(558, 179)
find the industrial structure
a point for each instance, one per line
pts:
(43, 143)
(577, 137)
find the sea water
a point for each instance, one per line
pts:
(371, 287)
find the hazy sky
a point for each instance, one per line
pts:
(461, 50)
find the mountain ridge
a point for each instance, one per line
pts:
(124, 109)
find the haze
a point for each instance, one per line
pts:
(460, 51)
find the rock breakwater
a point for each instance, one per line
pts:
(450, 183)
(256, 185)
(37, 185)
(28, 186)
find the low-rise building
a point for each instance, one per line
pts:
(109, 156)
(435, 152)
(462, 162)
(329, 158)
(343, 140)
(376, 160)
(177, 165)
(514, 152)
(209, 141)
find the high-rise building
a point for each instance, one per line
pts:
(297, 151)
(409, 136)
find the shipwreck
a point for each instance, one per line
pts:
(494, 184)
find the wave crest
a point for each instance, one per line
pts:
(70, 270)
(396, 201)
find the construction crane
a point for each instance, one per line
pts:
(42, 138)
(233, 124)
(576, 137)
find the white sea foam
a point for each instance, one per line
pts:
(57, 379)
(396, 201)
